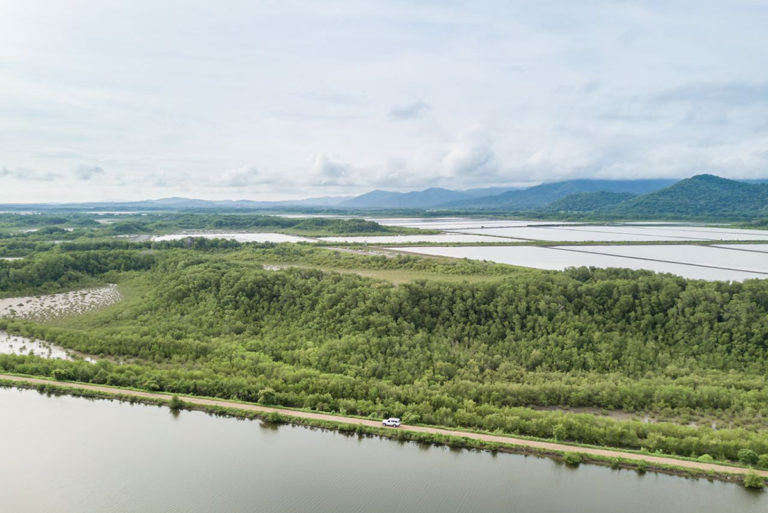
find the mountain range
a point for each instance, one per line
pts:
(705, 196)
(541, 195)
(428, 198)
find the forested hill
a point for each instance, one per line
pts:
(542, 195)
(702, 195)
(211, 321)
(589, 201)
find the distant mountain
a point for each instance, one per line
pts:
(324, 201)
(701, 195)
(544, 194)
(175, 204)
(417, 199)
(589, 202)
(489, 191)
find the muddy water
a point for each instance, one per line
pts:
(18, 345)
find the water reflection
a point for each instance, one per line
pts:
(66, 454)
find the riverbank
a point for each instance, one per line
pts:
(427, 434)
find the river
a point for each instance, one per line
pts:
(68, 454)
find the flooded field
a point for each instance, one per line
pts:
(405, 239)
(51, 306)
(600, 233)
(72, 455)
(562, 257)
(480, 230)
(458, 223)
(18, 345)
(679, 232)
(737, 257)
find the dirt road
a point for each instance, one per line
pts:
(520, 442)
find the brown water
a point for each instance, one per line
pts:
(66, 454)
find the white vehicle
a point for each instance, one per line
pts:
(391, 422)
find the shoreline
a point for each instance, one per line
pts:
(571, 454)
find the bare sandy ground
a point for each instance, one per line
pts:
(520, 442)
(51, 306)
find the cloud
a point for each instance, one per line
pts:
(28, 175)
(577, 89)
(58, 153)
(251, 176)
(471, 156)
(326, 171)
(86, 172)
(160, 178)
(713, 93)
(411, 110)
(240, 177)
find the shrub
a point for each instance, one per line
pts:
(747, 456)
(753, 480)
(762, 461)
(705, 458)
(572, 458)
(559, 432)
(267, 395)
(175, 403)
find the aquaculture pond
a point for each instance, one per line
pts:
(727, 263)
(68, 454)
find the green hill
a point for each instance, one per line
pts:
(589, 201)
(701, 196)
(542, 195)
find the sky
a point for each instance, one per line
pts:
(267, 100)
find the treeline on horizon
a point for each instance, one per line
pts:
(71, 226)
(209, 320)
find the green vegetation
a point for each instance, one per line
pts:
(58, 270)
(747, 456)
(22, 234)
(359, 430)
(752, 480)
(572, 458)
(589, 201)
(313, 226)
(211, 321)
(175, 403)
(581, 356)
(702, 195)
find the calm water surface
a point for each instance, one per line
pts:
(703, 262)
(65, 454)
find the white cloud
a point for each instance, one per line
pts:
(262, 99)
(411, 110)
(27, 175)
(246, 176)
(470, 157)
(331, 171)
(86, 172)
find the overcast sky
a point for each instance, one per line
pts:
(103, 99)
